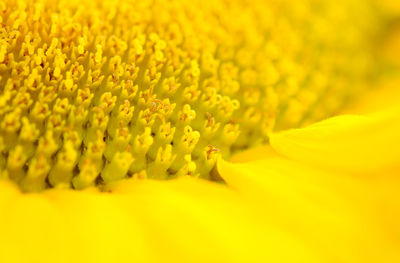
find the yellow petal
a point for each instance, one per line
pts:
(389, 6)
(184, 220)
(206, 222)
(343, 218)
(386, 97)
(351, 143)
(65, 226)
(306, 189)
(254, 154)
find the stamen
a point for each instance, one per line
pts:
(93, 96)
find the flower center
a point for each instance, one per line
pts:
(96, 91)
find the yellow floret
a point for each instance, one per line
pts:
(96, 91)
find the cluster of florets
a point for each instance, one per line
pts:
(95, 91)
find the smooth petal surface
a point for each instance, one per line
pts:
(60, 226)
(349, 143)
(333, 185)
(343, 219)
(184, 220)
(385, 98)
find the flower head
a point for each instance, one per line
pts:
(97, 95)
(97, 91)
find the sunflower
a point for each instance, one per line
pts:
(199, 131)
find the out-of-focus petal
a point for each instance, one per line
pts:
(333, 184)
(65, 226)
(184, 220)
(344, 219)
(385, 98)
(349, 143)
(254, 154)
